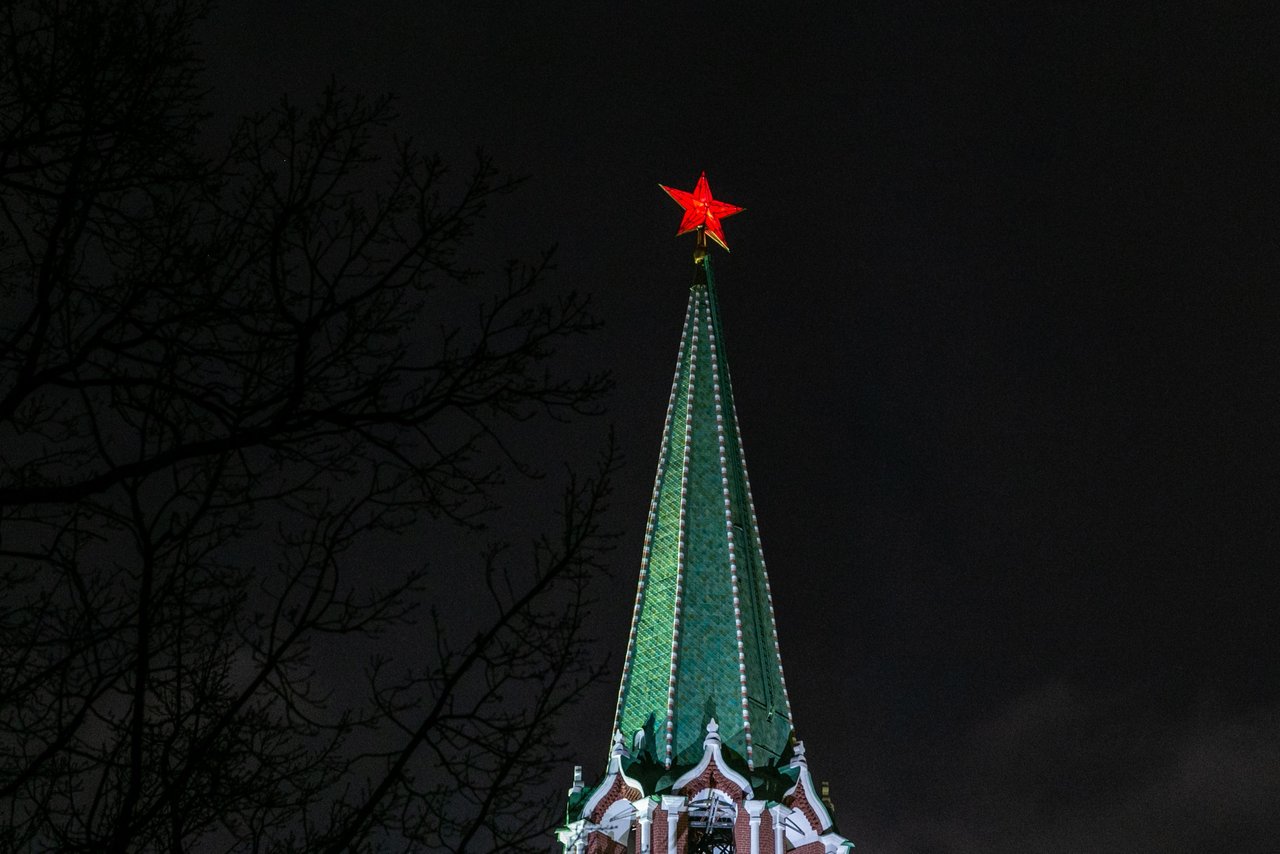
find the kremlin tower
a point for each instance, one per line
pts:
(704, 757)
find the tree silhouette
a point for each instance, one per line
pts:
(226, 383)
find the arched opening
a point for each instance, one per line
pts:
(712, 816)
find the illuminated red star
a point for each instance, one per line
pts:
(702, 210)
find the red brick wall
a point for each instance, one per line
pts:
(815, 847)
(800, 801)
(742, 832)
(659, 832)
(766, 834)
(602, 844)
(703, 781)
(617, 791)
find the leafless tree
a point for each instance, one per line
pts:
(226, 384)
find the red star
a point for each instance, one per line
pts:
(702, 210)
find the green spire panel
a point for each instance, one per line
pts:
(703, 642)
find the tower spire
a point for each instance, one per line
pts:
(714, 765)
(703, 642)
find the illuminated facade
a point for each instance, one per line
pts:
(704, 756)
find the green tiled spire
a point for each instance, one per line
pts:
(703, 642)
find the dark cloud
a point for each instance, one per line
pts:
(1064, 769)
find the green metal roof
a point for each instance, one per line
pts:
(703, 642)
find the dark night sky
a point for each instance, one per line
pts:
(1002, 319)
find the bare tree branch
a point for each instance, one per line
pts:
(226, 383)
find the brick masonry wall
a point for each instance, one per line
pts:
(617, 791)
(601, 844)
(705, 779)
(742, 832)
(800, 801)
(814, 847)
